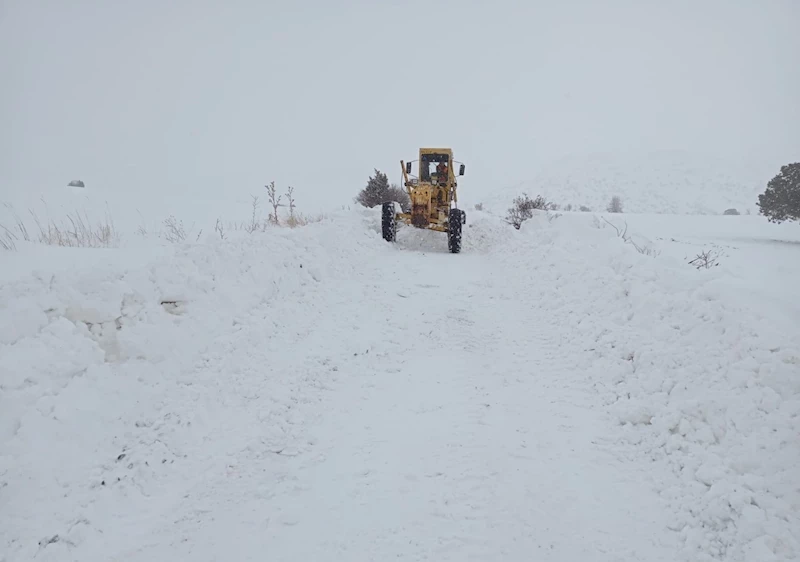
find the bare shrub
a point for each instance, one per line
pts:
(523, 208)
(8, 240)
(78, 232)
(294, 219)
(706, 259)
(220, 229)
(584, 209)
(621, 232)
(22, 230)
(175, 231)
(615, 205)
(479, 206)
(641, 248)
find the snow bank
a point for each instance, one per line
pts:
(104, 369)
(698, 378)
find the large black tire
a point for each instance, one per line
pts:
(389, 222)
(454, 231)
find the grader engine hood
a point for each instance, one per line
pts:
(421, 206)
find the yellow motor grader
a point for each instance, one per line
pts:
(434, 203)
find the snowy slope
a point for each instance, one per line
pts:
(671, 182)
(319, 394)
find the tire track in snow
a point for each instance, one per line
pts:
(442, 418)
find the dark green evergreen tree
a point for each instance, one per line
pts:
(378, 191)
(781, 200)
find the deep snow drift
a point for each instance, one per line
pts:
(551, 394)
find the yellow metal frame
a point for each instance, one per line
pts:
(430, 201)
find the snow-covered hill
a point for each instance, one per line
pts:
(319, 394)
(671, 182)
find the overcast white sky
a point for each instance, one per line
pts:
(200, 96)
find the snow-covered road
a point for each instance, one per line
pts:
(459, 430)
(331, 398)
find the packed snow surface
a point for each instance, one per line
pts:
(557, 393)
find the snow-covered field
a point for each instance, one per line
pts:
(668, 182)
(550, 394)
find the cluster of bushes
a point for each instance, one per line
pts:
(780, 201)
(173, 230)
(523, 208)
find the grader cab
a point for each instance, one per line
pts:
(434, 201)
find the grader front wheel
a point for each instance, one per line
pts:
(389, 222)
(456, 218)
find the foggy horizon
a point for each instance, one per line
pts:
(201, 98)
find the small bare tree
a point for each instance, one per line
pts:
(253, 226)
(290, 198)
(275, 201)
